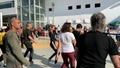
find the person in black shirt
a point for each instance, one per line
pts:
(28, 37)
(95, 46)
(52, 35)
(85, 29)
(77, 32)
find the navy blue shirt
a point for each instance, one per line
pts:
(52, 37)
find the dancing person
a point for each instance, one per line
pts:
(28, 41)
(52, 36)
(66, 43)
(14, 56)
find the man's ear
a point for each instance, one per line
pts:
(11, 24)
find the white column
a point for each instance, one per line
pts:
(34, 14)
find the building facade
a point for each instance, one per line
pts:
(41, 12)
(26, 10)
(32, 11)
(8, 10)
(80, 11)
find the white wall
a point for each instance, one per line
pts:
(9, 11)
(61, 12)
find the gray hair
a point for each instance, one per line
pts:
(97, 21)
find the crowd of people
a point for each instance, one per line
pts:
(89, 48)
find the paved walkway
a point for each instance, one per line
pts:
(42, 52)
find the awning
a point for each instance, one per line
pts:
(115, 23)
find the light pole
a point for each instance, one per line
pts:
(53, 11)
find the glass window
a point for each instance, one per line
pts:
(31, 2)
(19, 3)
(19, 13)
(87, 6)
(37, 2)
(37, 17)
(25, 13)
(37, 23)
(32, 9)
(37, 10)
(41, 18)
(5, 19)
(78, 7)
(42, 3)
(24, 23)
(6, 4)
(25, 2)
(42, 11)
(32, 16)
(97, 5)
(32, 12)
(50, 9)
(69, 7)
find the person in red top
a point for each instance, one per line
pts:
(39, 30)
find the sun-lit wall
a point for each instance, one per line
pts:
(59, 11)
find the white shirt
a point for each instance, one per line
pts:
(66, 39)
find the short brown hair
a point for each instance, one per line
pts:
(66, 27)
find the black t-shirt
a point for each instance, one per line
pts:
(94, 48)
(76, 34)
(26, 34)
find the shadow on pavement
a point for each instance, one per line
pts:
(44, 62)
(35, 66)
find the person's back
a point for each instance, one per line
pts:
(66, 39)
(94, 49)
(76, 34)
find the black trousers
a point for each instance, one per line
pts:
(29, 47)
(55, 51)
(2, 47)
